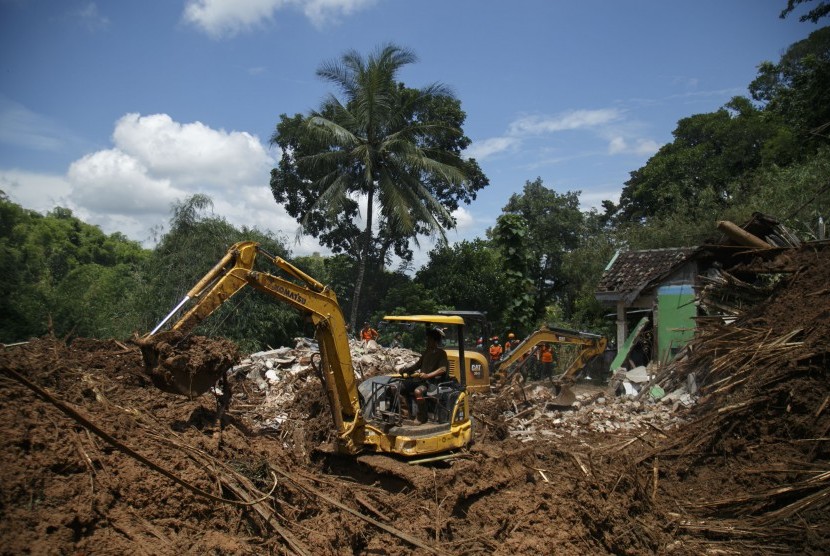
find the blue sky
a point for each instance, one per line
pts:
(117, 109)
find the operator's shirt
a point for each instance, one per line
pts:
(432, 360)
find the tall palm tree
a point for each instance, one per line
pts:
(371, 145)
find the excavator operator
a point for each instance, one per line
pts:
(425, 374)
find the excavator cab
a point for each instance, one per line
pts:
(447, 414)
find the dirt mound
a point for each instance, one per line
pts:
(85, 456)
(184, 364)
(759, 434)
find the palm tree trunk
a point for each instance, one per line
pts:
(364, 257)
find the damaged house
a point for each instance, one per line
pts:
(653, 293)
(656, 293)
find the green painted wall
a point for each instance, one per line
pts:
(675, 312)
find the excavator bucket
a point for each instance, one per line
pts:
(564, 398)
(186, 365)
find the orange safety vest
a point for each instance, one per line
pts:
(368, 334)
(546, 356)
(495, 352)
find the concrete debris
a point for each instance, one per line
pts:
(595, 412)
(282, 373)
(638, 375)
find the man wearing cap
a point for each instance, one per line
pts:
(430, 369)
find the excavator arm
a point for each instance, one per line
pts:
(591, 345)
(305, 294)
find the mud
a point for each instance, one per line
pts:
(184, 364)
(727, 481)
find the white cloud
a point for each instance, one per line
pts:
(488, 147)
(155, 162)
(322, 12)
(576, 119)
(646, 147)
(226, 18)
(91, 18)
(39, 192)
(617, 145)
(639, 147)
(113, 182)
(527, 127)
(593, 199)
(193, 154)
(463, 220)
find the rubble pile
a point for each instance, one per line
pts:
(280, 378)
(290, 391)
(593, 413)
(763, 410)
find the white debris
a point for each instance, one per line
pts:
(638, 375)
(280, 373)
(597, 413)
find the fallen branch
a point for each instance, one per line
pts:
(389, 529)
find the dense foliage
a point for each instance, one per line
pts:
(63, 275)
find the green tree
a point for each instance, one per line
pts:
(63, 274)
(194, 244)
(554, 223)
(813, 15)
(797, 89)
(510, 235)
(408, 297)
(397, 147)
(465, 276)
(95, 301)
(701, 169)
(582, 268)
(798, 194)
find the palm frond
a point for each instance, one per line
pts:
(324, 130)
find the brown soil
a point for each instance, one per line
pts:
(184, 364)
(101, 462)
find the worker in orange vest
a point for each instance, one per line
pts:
(495, 350)
(546, 358)
(511, 343)
(368, 333)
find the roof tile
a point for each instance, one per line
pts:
(631, 270)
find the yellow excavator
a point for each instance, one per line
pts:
(366, 418)
(482, 374)
(591, 346)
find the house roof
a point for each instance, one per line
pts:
(630, 272)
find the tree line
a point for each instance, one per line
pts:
(402, 149)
